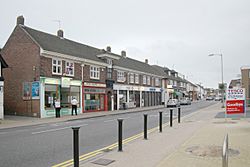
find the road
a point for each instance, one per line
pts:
(50, 144)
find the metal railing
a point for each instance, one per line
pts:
(225, 152)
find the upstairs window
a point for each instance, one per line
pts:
(131, 78)
(56, 66)
(94, 72)
(109, 73)
(69, 68)
(144, 79)
(157, 81)
(120, 76)
(148, 80)
(136, 78)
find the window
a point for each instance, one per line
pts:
(120, 76)
(144, 79)
(131, 78)
(169, 73)
(175, 83)
(157, 82)
(109, 73)
(56, 66)
(136, 78)
(148, 80)
(69, 68)
(94, 72)
(109, 61)
(170, 82)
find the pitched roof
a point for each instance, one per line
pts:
(57, 44)
(133, 64)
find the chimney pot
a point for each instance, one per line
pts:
(60, 33)
(146, 61)
(123, 53)
(20, 20)
(108, 49)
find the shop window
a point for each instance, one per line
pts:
(94, 72)
(144, 79)
(94, 102)
(51, 93)
(69, 68)
(136, 78)
(56, 66)
(67, 95)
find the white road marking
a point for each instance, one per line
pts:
(112, 120)
(53, 130)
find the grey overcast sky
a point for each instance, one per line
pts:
(178, 34)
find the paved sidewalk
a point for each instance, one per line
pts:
(11, 121)
(199, 133)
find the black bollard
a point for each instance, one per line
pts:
(145, 126)
(171, 117)
(76, 145)
(120, 134)
(179, 115)
(160, 121)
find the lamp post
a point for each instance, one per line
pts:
(221, 76)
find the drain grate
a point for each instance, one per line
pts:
(210, 151)
(103, 162)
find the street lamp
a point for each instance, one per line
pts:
(221, 76)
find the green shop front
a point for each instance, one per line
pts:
(63, 88)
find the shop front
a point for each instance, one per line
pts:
(64, 89)
(151, 96)
(94, 97)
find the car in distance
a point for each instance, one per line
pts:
(173, 103)
(209, 98)
(218, 98)
(185, 101)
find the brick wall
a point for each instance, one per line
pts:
(21, 54)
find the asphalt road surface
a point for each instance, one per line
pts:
(49, 144)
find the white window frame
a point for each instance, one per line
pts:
(120, 76)
(171, 82)
(57, 66)
(94, 72)
(148, 80)
(144, 80)
(137, 78)
(131, 78)
(73, 68)
(157, 81)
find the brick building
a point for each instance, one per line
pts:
(45, 67)
(245, 82)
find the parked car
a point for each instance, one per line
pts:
(218, 98)
(185, 101)
(209, 98)
(173, 103)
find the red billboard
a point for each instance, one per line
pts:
(235, 106)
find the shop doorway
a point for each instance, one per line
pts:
(109, 101)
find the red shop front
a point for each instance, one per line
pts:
(94, 97)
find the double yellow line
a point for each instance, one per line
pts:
(100, 151)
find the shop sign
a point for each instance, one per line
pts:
(52, 81)
(95, 84)
(35, 88)
(65, 82)
(93, 90)
(75, 83)
(235, 101)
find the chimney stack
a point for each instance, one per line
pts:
(20, 20)
(146, 61)
(108, 49)
(60, 33)
(123, 53)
